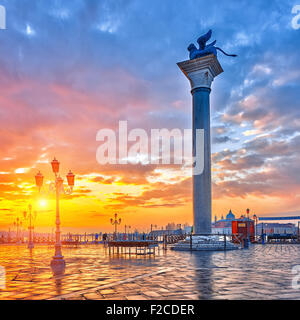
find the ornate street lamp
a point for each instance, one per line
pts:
(70, 178)
(39, 180)
(55, 166)
(30, 216)
(18, 224)
(155, 226)
(127, 227)
(255, 218)
(115, 223)
(57, 262)
(248, 226)
(248, 211)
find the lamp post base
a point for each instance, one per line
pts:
(58, 265)
(30, 245)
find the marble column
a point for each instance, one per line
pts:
(201, 72)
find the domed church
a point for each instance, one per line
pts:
(230, 215)
(223, 226)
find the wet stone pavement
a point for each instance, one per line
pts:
(261, 272)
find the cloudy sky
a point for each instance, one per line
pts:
(71, 67)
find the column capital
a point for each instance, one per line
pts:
(201, 71)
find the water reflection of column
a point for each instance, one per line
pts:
(204, 279)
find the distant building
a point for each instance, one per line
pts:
(223, 226)
(241, 228)
(188, 229)
(171, 226)
(277, 229)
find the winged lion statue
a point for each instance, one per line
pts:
(205, 49)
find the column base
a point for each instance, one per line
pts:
(204, 243)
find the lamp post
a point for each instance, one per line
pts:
(115, 223)
(17, 224)
(57, 262)
(126, 226)
(30, 217)
(155, 226)
(255, 218)
(248, 221)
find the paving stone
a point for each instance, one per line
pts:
(152, 294)
(92, 296)
(108, 291)
(262, 272)
(191, 296)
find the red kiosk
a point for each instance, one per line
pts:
(241, 227)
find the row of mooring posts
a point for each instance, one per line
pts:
(98, 237)
(133, 247)
(171, 239)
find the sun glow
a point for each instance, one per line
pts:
(42, 203)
